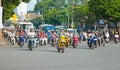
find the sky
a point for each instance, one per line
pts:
(31, 5)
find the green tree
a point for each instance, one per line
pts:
(8, 6)
(108, 9)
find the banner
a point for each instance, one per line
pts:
(1, 26)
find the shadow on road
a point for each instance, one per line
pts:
(79, 47)
(24, 49)
(49, 50)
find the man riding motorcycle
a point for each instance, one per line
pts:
(31, 34)
(21, 36)
(12, 37)
(61, 43)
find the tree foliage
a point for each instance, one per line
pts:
(108, 9)
(60, 11)
(8, 7)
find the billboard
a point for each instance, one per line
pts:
(1, 26)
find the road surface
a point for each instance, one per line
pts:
(47, 58)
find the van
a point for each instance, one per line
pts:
(26, 26)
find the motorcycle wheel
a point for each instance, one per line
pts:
(67, 45)
(58, 50)
(62, 49)
(99, 42)
(92, 46)
(30, 48)
(74, 46)
(103, 44)
(21, 44)
(95, 44)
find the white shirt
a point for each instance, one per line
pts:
(31, 34)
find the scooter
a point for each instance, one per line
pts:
(99, 41)
(67, 41)
(31, 43)
(91, 43)
(116, 39)
(21, 41)
(95, 41)
(37, 41)
(62, 44)
(12, 40)
(107, 39)
(75, 41)
(53, 40)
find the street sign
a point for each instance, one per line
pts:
(101, 22)
(1, 26)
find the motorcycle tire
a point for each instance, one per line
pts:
(67, 45)
(92, 46)
(99, 43)
(30, 48)
(74, 46)
(62, 50)
(58, 50)
(103, 44)
(21, 44)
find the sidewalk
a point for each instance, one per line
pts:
(4, 42)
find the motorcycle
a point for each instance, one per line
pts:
(107, 38)
(95, 41)
(91, 43)
(75, 41)
(53, 40)
(21, 41)
(99, 41)
(116, 39)
(67, 41)
(81, 38)
(37, 41)
(31, 43)
(12, 40)
(41, 42)
(62, 44)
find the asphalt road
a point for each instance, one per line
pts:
(47, 58)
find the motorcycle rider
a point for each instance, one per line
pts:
(75, 38)
(20, 33)
(31, 33)
(107, 35)
(116, 35)
(12, 36)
